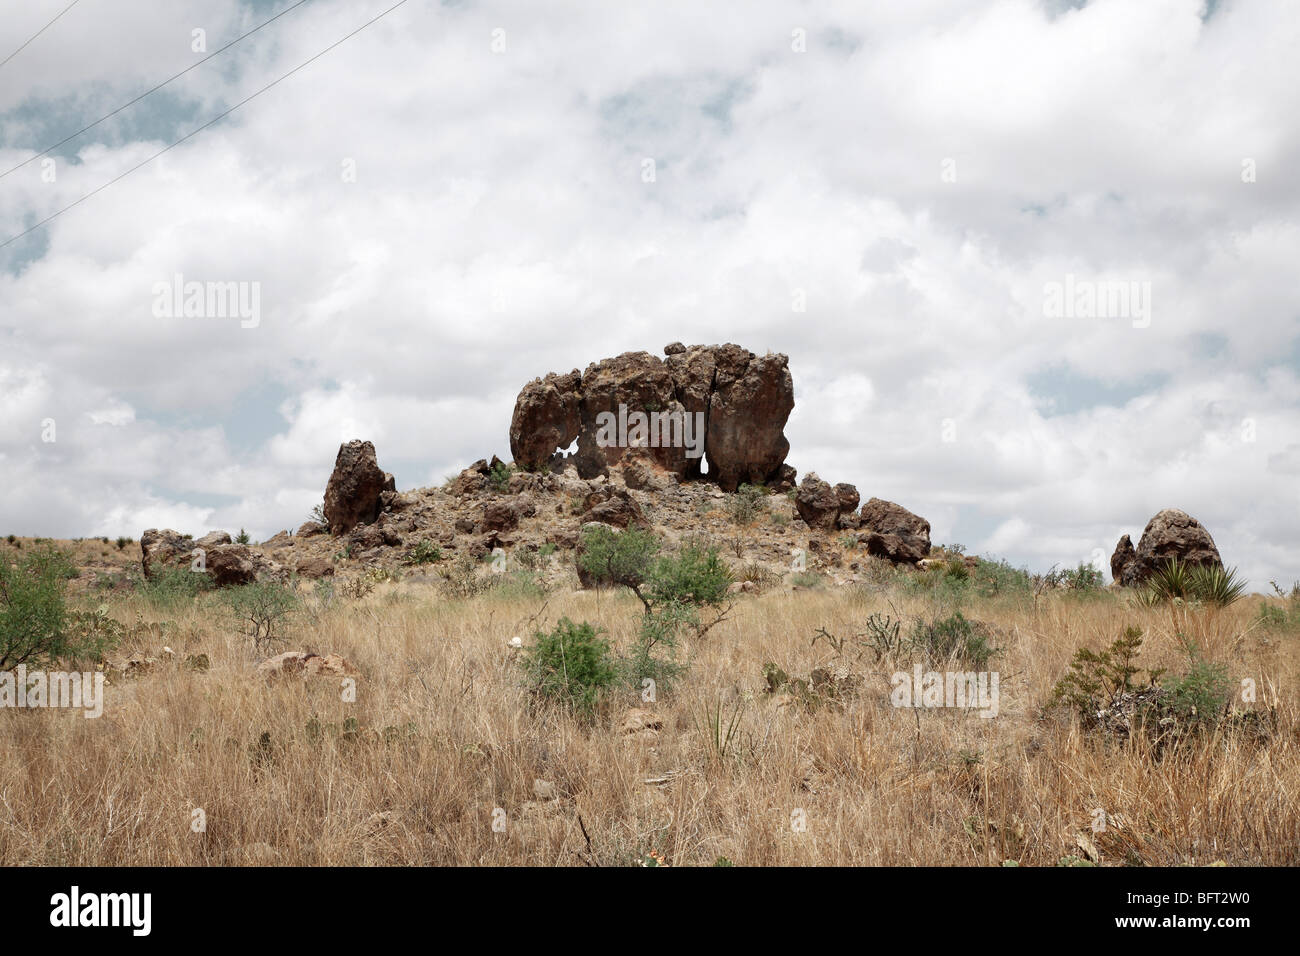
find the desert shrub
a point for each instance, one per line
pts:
(262, 610)
(499, 476)
(954, 637)
(695, 576)
(242, 537)
(425, 552)
(317, 514)
(653, 654)
(1085, 577)
(780, 519)
(571, 665)
(746, 504)
(1203, 692)
(35, 627)
(171, 587)
(617, 558)
(122, 543)
(807, 579)
(1097, 678)
(461, 578)
(92, 634)
(992, 578)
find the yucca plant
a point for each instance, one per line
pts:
(1173, 579)
(719, 729)
(1216, 585)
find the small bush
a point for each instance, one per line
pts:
(955, 637)
(242, 537)
(1201, 693)
(807, 579)
(572, 666)
(35, 628)
(1096, 679)
(122, 543)
(499, 476)
(172, 587)
(263, 610)
(426, 552)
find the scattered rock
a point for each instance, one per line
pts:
(817, 503)
(893, 532)
(305, 664)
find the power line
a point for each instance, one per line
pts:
(195, 132)
(66, 139)
(39, 32)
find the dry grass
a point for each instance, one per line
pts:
(444, 734)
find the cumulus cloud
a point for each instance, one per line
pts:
(466, 196)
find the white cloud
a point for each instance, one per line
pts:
(499, 228)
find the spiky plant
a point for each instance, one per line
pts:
(1173, 579)
(1215, 585)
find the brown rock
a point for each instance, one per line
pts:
(817, 503)
(305, 664)
(352, 496)
(313, 568)
(546, 419)
(309, 529)
(500, 514)
(888, 520)
(617, 508)
(212, 539)
(1170, 534)
(231, 565)
(163, 549)
(1121, 558)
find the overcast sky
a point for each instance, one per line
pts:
(462, 197)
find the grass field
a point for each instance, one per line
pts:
(437, 761)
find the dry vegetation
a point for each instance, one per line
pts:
(443, 732)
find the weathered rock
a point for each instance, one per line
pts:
(500, 514)
(886, 521)
(1170, 534)
(231, 565)
(546, 419)
(742, 401)
(305, 664)
(900, 549)
(212, 539)
(614, 507)
(817, 503)
(352, 496)
(318, 567)
(1122, 557)
(164, 548)
(309, 529)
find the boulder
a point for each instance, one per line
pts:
(883, 521)
(231, 565)
(212, 539)
(1169, 534)
(164, 548)
(352, 496)
(817, 503)
(500, 514)
(614, 507)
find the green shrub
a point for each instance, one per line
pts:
(122, 543)
(35, 628)
(242, 537)
(171, 587)
(1177, 580)
(955, 637)
(1083, 578)
(572, 666)
(617, 558)
(746, 504)
(1095, 679)
(499, 476)
(1202, 692)
(426, 552)
(807, 579)
(262, 610)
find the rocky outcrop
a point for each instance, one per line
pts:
(891, 531)
(353, 494)
(719, 404)
(1169, 534)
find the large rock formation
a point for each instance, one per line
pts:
(820, 506)
(891, 531)
(164, 548)
(352, 496)
(721, 404)
(1170, 534)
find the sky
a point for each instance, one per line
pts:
(467, 195)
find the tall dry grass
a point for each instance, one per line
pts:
(442, 734)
